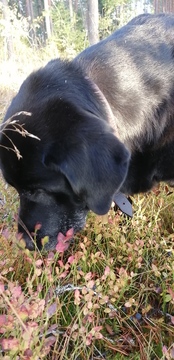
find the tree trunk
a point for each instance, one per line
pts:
(30, 15)
(8, 36)
(164, 6)
(71, 11)
(47, 18)
(92, 21)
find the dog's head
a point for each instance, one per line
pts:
(63, 159)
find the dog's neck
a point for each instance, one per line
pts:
(108, 114)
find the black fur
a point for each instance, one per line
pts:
(105, 122)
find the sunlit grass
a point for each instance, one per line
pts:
(109, 296)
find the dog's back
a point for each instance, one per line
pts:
(134, 69)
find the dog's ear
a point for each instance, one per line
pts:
(94, 162)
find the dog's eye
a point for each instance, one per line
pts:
(22, 193)
(28, 193)
(78, 200)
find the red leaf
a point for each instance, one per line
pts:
(23, 312)
(6, 233)
(109, 329)
(62, 245)
(50, 256)
(52, 309)
(88, 339)
(70, 233)
(63, 240)
(63, 275)
(3, 320)
(6, 323)
(10, 344)
(16, 291)
(28, 353)
(38, 226)
(107, 271)
(60, 262)
(77, 297)
(50, 341)
(171, 292)
(38, 263)
(172, 352)
(71, 259)
(1, 288)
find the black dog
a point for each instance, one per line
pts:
(105, 122)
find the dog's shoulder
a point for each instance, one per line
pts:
(133, 67)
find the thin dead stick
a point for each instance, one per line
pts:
(70, 287)
(11, 119)
(15, 126)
